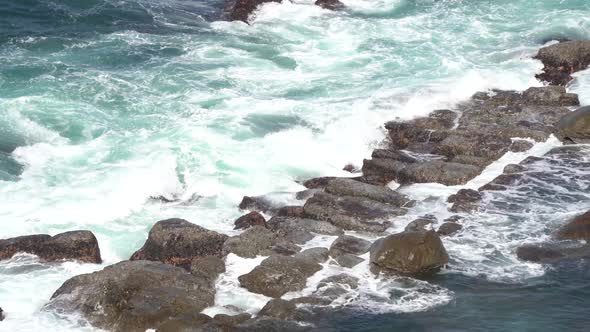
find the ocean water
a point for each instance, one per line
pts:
(105, 104)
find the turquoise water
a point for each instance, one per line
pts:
(105, 103)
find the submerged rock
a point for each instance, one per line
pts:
(257, 203)
(563, 59)
(409, 253)
(177, 242)
(134, 296)
(240, 10)
(74, 245)
(577, 229)
(330, 4)
(248, 220)
(449, 228)
(574, 127)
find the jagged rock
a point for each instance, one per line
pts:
(348, 260)
(278, 275)
(208, 267)
(563, 59)
(278, 308)
(346, 244)
(248, 220)
(134, 295)
(449, 228)
(300, 230)
(177, 242)
(465, 200)
(330, 4)
(240, 10)
(351, 213)
(349, 187)
(290, 211)
(74, 245)
(409, 253)
(577, 229)
(403, 134)
(252, 242)
(574, 127)
(420, 224)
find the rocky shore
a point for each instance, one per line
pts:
(171, 279)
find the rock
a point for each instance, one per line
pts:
(240, 10)
(346, 244)
(285, 248)
(348, 260)
(449, 228)
(177, 242)
(257, 203)
(574, 127)
(513, 168)
(420, 224)
(74, 245)
(551, 96)
(290, 211)
(465, 200)
(278, 275)
(409, 253)
(248, 220)
(252, 242)
(278, 308)
(520, 145)
(301, 230)
(318, 183)
(314, 255)
(270, 324)
(348, 167)
(305, 194)
(208, 267)
(341, 279)
(349, 187)
(185, 323)
(351, 213)
(563, 59)
(330, 4)
(551, 253)
(402, 134)
(438, 171)
(232, 320)
(1, 315)
(133, 295)
(577, 229)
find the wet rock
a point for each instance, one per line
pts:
(177, 242)
(420, 224)
(1, 314)
(348, 260)
(248, 220)
(285, 248)
(548, 253)
(133, 295)
(402, 134)
(318, 183)
(278, 308)
(454, 219)
(252, 242)
(574, 127)
(347, 244)
(465, 200)
(257, 203)
(270, 324)
(305, 194)
(314, 255)
(330, 4)
(240, 10)
(74, 245)
(301, 230)
(208, 267)
(349, 187)
(184, 323)
(278, 275)
(449, 228)
(341, 279)
(351, 213)
(551, 96)
(290, 211)
(409, 253)
(563, 59)
(513, 168)
(438, 171)
(231, 320)
(577, 229)
(520, 146)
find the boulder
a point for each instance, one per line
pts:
(75, 245)
(409, 253)
(257, 203)
(348, 167)
(231, 320)
(576, 229)
(449, 228)
(574, 127)
(134, 296)
(420, 224)
(240, 10)
(278, 308)
(550, 253)
(330, 4)
(350, 187)
(347, 244)
(185, 323)
(465, 200)
(254, 241)
(177, 242)
(314, 255)
(340, 279)
(301, 230)
(248, 220)
(208, 267)
(348, 260)
(563, 59)
(290, 211)
(318, 183)
(438, 171)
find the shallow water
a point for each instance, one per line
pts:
(104, 104)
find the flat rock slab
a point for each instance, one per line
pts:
(301, 230)
(258, 240)
(133, 295)
(74, 245)
(350, 187)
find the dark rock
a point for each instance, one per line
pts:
(74, 245)
(314, 255)
(208, 267)
(577, 229)
(346, 244)
(399, 155)
(330, 4)
(1, 314)
(513, 168)
(348, 260)
(232, 320)
(350, 167)
(574, 127)
(454, 218)
(449, 228)
(184, 323)
(420, 224)
(438, 171)
(271, 324)
(278, 275)
(252, 242)
(177, 242)
(290, 211)
(342, 279)
(563, 59)
(465, 200)
(301, 230)
(134, 295)
(349, 187)
(551, 96)
(520, 146)
(240, 10)
(278, 308)
(257, 203)
(305, 194)
(285, 248)
(548, 253)
(403, 134)
(409, 253)
(318, 183)
(248, 220)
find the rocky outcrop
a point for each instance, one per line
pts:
(465, 200)
(347, 244)
(449, 228)
(75, 245)
(177, 242)
(240, 10)
(208, 267)
(420, 224)
(577, 229)
(550, 253)
(290, 211)
(134, 296)
(409, 253)
(350, 187)
(256, 241)
(330, 4)
(278, 308)
(563, 59)
(257, 203)
(248, 220)
(301, 230)
(574, 127)
(186, 323)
